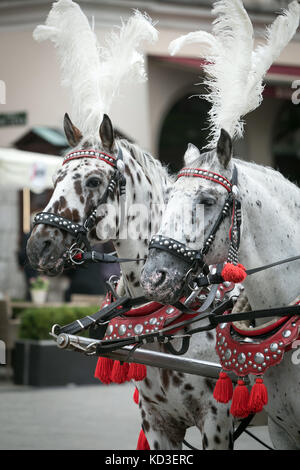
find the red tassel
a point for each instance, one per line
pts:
(223, 390)
(119, 372)
(103, 370)
(137, 372)
(232, 273)
(258, 397)
(142, 442)
(239, 405)
(136, 396)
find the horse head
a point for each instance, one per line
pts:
(195, 203)
(79, 185)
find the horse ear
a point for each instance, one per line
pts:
(191, 155)
(106, 132)
(73, 134)
(224, 148)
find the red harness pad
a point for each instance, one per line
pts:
(138, 321)
(151, 317)
(253, 354)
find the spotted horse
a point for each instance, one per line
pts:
(250, 219)
(170, 402)
(89, 205)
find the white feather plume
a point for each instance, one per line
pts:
(123, 62)
(94, 75)
(234, 72)
(277, 36)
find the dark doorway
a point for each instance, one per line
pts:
(186, 122)
(286, 141)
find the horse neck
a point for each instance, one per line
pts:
(147, 184)
(270, 232)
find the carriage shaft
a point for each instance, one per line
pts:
(149, 358)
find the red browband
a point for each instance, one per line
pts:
(206, 174)
(91, 154)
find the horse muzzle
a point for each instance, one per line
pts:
(163, 277)
(45, 249)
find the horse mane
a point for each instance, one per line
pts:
(94, 75)
(152, 167)
(234, 69)
(266, 170)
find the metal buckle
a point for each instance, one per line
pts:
(72, 252)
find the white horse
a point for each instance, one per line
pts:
(170, 402)
(270, 203)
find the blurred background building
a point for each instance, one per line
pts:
(159, 115)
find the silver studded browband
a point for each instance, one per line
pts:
(57, 221)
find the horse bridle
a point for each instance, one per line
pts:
(232, 205)
(78, 231)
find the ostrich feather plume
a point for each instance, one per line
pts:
(234, 70)
(94, 75)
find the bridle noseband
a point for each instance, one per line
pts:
(195, 258)
(78, 231)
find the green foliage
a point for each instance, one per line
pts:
(39, 283)
(36, 323)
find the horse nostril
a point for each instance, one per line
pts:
(46, 247)
(159, 278)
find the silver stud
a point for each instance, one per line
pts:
(259, 358)
(109, 330)
(152, 321)
(286, 333)
(273, 347)
(122, 330)
(170, 310)
(227, 354)
(138, 329)
(241, 358)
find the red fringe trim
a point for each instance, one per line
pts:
(103, 370)
(239, 405)
(232, 273)
(137, 372)
(258, 397)
(136, 396)
(223, 389)
(142, 443)
(119, 372)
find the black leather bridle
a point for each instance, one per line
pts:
(78, 231)
(232, 206)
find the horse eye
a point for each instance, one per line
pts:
(93, 182)
(208, 201)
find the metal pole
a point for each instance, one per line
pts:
(150, 358)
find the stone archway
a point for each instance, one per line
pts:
(286, 141)
(185, 122)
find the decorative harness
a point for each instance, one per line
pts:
(118, 323)
(80, 232)
(243, 351)
(195, 258)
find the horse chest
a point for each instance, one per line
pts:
(186, 397)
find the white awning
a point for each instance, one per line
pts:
(19, 169)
